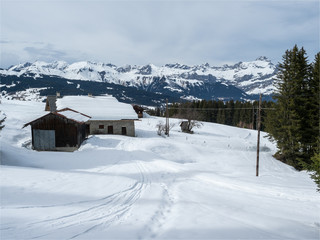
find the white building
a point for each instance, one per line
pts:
(108, 116)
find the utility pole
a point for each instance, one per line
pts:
(167, 119)
(258, 141)
(252, 116)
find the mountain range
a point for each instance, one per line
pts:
(148, 84)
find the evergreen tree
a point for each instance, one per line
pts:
(221, 115)
(314, 117)
(2, 119)
(290, 123)
(236, 115)
(229, 112)
(315, 103)
(316, 172)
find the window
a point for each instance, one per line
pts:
(101, 126)
(110, 129)
(124, 131)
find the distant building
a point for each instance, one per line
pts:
(62, 130)
(139, 110)
(184, 126)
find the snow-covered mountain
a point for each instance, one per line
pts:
(190, 81)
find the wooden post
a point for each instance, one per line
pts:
(252, 116)
(167, 118)
(258, 140)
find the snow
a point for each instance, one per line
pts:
(199, 186)
(190, 98)
(98, 108)
(74, 115)
(264, 90)
(173, 89)
(30, 94)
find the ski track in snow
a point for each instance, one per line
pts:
(101, 212)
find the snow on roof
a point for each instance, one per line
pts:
(98, 108)
(74, 115)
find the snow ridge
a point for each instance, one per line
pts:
(252, 77)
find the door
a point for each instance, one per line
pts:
(110, 129)
(124, 131)
(44, 139)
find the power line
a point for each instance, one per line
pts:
(205, 109)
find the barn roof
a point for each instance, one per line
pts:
(99, 108)
(65, 113)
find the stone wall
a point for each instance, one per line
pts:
(119, 127)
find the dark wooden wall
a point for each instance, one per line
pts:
(67, 132)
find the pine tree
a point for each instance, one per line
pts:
(236, 115)
(2, 119)
(316, 169)
(315, 102)
(304, 107)
(221, 116)
(290, 123)
(229, 112)
(314, 117)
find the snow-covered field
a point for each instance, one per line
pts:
(200, 186)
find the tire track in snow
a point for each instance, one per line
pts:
(101, 212)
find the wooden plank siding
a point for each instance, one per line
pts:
(68, 133)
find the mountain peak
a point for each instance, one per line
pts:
(263, 58)
(248, 76)
(178, 66)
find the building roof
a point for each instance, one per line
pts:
(73, 115)
(98, 108)
(65, 113)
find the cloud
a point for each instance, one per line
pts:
(45, 52)
(141, 32)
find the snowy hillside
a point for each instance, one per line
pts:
(200, 186)
(251, 77)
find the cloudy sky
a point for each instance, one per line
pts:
(156, 31)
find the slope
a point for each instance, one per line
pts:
(199, 186)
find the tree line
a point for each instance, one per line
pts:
(242, 114)
(232, 113)
(291, 120)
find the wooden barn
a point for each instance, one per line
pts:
(62, 130)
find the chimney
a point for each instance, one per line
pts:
(57, 94)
